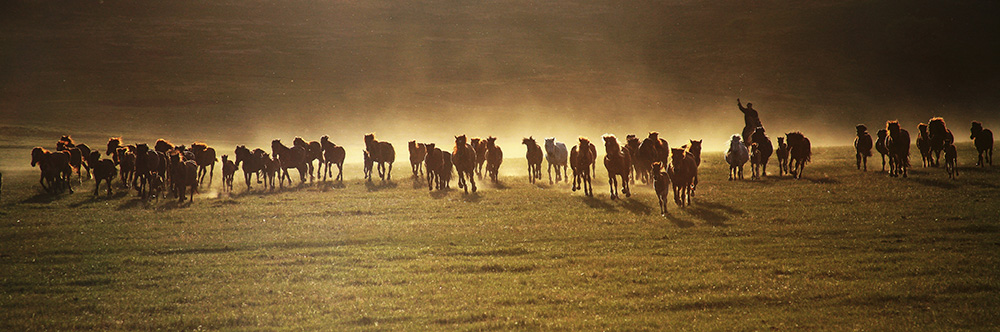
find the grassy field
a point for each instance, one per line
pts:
(838, 250)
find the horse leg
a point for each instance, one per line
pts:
(550, 172)
(611, 183)
(388, 174)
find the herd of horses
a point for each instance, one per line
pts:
(181, 170)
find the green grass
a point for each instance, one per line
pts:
(838, 249)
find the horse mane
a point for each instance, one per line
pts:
(892, 126)
(68, 140)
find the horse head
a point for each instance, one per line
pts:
(460, 140)
(113, 144)
(892, 127)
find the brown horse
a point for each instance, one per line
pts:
(632, 144)
(755, 161)
(253, 162)
(147, 162)
(782, 153)
(661, 184)
(294, 157)
(444, 176)
(494, 157)
(898, 144)
(204, 157)
(314, 151)
(332, 155)
(924, 145)
(480, 146)
(652, 149)
(939, 137)
(683, 171)
(799, 152)
(55, 169)
(432, 163)
(585, 158)
(465, 162)
(418, 152)
(574, 165)
(185, 176)
(618, 163)
(66, 143)
(228, 172)
(381, 153)
(271, 167)
(534, 156)
(863, 146)
(766, 149)
(951, 160)
(104, 170)
(984, 143)
(369, 164)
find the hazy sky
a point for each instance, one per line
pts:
(249, 71)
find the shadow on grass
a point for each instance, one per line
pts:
(636, 207)
(678, 221)
(42, 198)
(472, 197)
(499, 185)
(596, 203)
(712, 213)
(372, 187)
(439, 194)
(937, 183)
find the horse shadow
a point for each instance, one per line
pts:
(173, 204)
(418, 182)
(472, 197)
(325, 186)
(132, 203)
(595, 203)
(439, 194)
(681, 223)
(636, 207)
(823, 180)
(42, 198)
(372, 187)
(500, 185)
(942, 184)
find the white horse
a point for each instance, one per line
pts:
(556, 154)
(736, 156)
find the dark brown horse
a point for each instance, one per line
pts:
(228, 172)
(253, 162)
(272, 166)
(882, 135)
(765, 147)
(574, 165)
(147, 162)
(185, 176)
(67, 143)
(755, 161)
(983, 139)
(494, 157)
(898, 144)
(939, 137)
(584, 161)
(55, 169)
(951, 160)
(863, 146)
(799, 152)
(104, 170)
(652, 149)
(294, 157)
(661, 184)
(314, 151)
(618, 163)
(632, 144)
(782, 153)
(444, 176)
(924, 145)
(332, 155)
(465, 162)
(534, 156)
(381, 153)
(204, 157)
(433, 163)
(480, 146)
(418, 152)
(683, 172)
